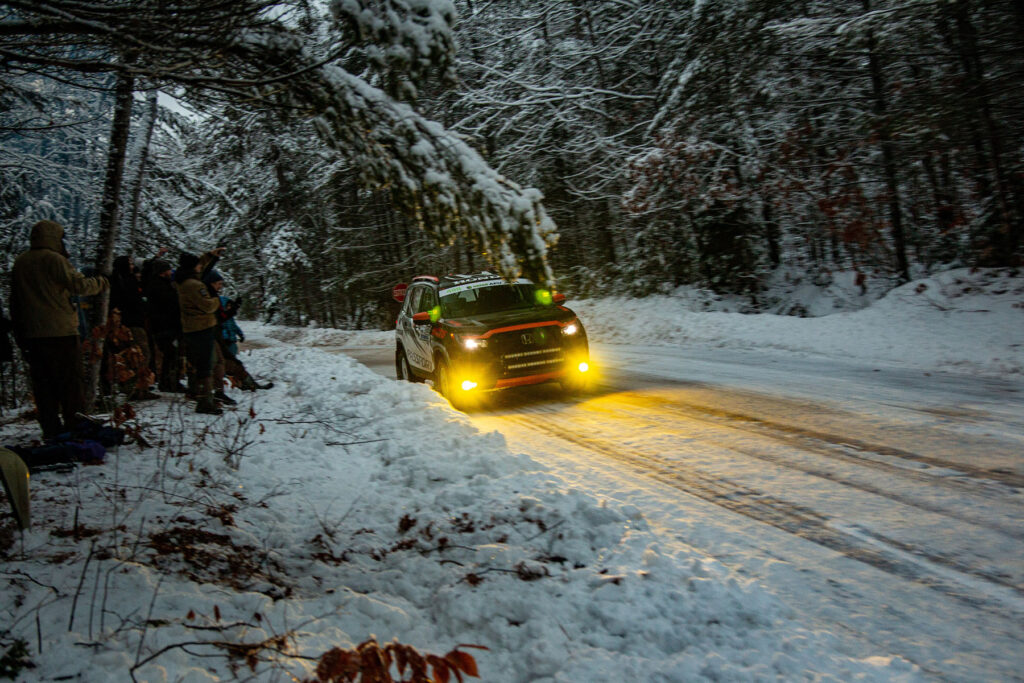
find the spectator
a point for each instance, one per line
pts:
(199, 325)
(215, 282)
(231, 333)
(46, 325)
(145, 274)
(229, 338)
(126, 297)
(165, 325)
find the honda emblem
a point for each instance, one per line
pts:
(527, 338)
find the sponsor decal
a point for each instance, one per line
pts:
(489, 281)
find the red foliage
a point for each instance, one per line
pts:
(125, 360)
(368, 662)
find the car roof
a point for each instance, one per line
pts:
(425, 278)
(454, 279)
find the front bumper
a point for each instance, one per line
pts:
(516, 370)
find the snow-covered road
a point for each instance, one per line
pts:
(882, 504)
(742, 498)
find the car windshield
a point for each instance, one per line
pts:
(461, 302)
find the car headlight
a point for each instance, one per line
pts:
(570, 329)
(471, 344)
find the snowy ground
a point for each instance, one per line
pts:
(341, 504)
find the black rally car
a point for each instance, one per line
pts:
(475, 333)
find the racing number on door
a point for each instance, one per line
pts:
(424, 304)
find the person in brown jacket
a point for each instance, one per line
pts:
(199, 325)
(46, 325)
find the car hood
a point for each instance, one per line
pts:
(479, 324)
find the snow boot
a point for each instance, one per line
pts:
(224, 398)
(192, 390)
(205, 403)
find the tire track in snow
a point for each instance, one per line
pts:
(801, 436)
(979, 589)
(832, 450)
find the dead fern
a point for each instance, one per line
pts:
(368, 662)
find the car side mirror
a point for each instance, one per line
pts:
(422, 318)
(558, 299)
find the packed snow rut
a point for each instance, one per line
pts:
(789, 516)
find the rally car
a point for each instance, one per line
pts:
(471, 334)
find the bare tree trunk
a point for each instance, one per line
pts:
(888, 159)
(1007, 238)
(141, 156)
(108, 220)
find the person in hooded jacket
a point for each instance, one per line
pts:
(199, 325)
(46, 325)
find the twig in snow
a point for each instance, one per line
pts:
(145, 626)
(352, 443)
(544, 531)
(81, 580)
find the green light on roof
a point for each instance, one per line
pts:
(543, 297)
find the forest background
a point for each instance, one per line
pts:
(603, 146)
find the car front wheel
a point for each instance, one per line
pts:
(444, 386)
(402, 369)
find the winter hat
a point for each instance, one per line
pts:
(186, 267)
(159, 267)
(122, 266)
(213, 276)
(47, 234)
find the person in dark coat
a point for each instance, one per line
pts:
(165, 325)
(46, 325)
(126, 297)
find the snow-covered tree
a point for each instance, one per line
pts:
(283, 55)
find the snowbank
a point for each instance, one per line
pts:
(959, 321)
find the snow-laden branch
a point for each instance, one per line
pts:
(439, 178)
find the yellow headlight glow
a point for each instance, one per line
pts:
(468, 385)
(570, 329)
(583, 367)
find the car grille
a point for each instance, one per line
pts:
(530, 352)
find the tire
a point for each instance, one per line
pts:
(443, 385)
(402, 369)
